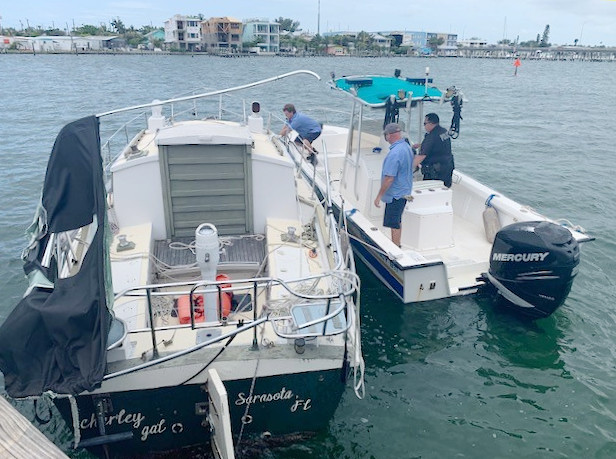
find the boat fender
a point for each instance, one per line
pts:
(491, 222)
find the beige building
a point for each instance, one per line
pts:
(183, 32)
(221, 34)
(337, 50)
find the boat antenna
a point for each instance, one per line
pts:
(456, 102)
(392, 112)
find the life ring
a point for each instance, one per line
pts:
(184, 309)
(225, 297)
(183, 303)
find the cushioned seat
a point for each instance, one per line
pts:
(117, 333)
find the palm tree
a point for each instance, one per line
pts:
(118, 25)
(435, 42)
(363, 41)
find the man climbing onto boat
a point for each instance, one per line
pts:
(396, 180)
(307, 128)
(435, 154)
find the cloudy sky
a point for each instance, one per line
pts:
(592, 22)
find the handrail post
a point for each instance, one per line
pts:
(409, 104)
(155, 349)
(349, 147)
(359, 129)
(219, 306)
(329, 303)
(255, 343)
(191, 300)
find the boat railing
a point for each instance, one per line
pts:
(209, 94)
(342, 282)
(331, 322)
(117, 143)
(218, 109)
(175, 355)
(340, 253)
(122, 134)
(322, 308)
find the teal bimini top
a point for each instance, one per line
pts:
(375, 90)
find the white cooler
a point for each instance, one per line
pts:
(427, 222)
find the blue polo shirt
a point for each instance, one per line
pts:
(398, 164)
(304, 125)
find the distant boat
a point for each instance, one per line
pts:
(447, 250)
(200, 294)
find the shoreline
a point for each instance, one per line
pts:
(580, 54)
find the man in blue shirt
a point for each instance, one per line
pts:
(396, 180)
(307, 128)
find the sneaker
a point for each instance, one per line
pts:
(312, 159)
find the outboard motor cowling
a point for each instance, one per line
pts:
(532, 265)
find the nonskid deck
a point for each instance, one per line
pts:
(235, 250)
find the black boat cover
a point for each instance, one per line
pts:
(56, 337)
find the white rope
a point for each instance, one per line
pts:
(566, 223)
(359, 386)
(162, 307)
(182, 246)
(112, 218)
(75, 419)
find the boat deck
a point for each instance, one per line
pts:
(235, 250)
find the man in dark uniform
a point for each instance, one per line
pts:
(435, 154)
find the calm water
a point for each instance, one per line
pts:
(451, 378)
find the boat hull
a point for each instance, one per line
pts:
(411, 284)
(279, 405)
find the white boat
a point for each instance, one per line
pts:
(234, 304)
(448, 246)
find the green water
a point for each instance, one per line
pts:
(451, 378)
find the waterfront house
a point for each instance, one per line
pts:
(63, 43)
(263, 34)
(221, 35)
(183, 33)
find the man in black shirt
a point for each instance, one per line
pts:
(435, 154)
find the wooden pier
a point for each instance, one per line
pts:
(19, 439)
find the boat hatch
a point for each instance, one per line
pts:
(207, 180)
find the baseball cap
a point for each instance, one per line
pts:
(391, 128)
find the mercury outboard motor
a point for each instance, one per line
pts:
(532, 265)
